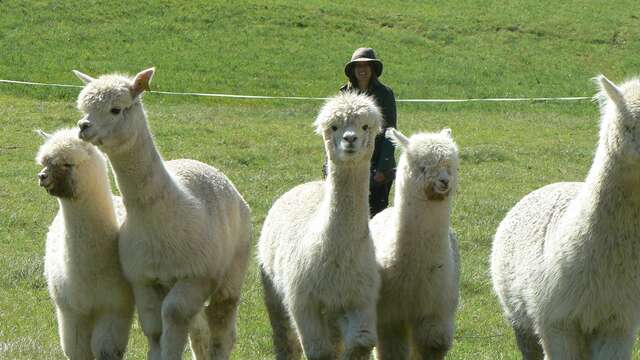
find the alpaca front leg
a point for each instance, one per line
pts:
(359, 332)
(618, 346)
(199, 336)
(528, 343)
(223, 307)
(563, 344)
(75, 335)
(285, 340)
(110, 336)
(393, 342)
(185, 299)
(222, 322)
(149, 304)
(314, 334)
(432, 337)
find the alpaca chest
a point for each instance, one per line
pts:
(598, 285)
(337, 281)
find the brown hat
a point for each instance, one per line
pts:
(363, 55)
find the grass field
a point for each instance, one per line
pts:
(436, 50)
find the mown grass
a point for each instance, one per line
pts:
(436, 49)
(440, 49)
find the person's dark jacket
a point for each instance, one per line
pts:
(383, 159)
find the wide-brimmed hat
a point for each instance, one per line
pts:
(363, 55)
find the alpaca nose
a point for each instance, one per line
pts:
(83, 125)
(350, 138)
(444, 182)
(42, 175)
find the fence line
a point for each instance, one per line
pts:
(234, 96)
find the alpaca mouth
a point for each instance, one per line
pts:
(435, 194)
(45, 184)
(350, 149)
(83, 135)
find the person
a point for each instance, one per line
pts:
(363, 72)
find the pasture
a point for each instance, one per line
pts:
(283, 48)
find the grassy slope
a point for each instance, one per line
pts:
(436, 50)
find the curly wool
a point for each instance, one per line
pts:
(416, 253)
(564, 260)
(94, 302)
(315, 251)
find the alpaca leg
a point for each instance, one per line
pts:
(75, 335)
(223, 307)
(613, 346)
(529, 344)
(285, 340)
(110, 336)
(149, 305)
(432, 337)
(221, 314)
(393, 342)
(199, 336)
(563, 344)
(314, 333)
(359, 332)
(183, 302)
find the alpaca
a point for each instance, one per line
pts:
(415, 251)
(93, 301)
(186, 237)
(565, 259)
(315, 252)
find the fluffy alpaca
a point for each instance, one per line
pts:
(416, 254)
(315, 252)
(186, 238)
(565, 258)
(94, 303)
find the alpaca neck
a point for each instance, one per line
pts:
(420, 222)
(345, 206)
(140, 171)
(90, 214)
(611, 186)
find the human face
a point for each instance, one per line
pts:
(363, 72)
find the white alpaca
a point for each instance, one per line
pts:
(315, 251)
(565, 259)
(186, 238)
(94, 303)
(418, 257)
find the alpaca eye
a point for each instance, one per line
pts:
(68, 166)
(115, 111)
(365, 127)
(334, 128)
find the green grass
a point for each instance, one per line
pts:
(440, 50)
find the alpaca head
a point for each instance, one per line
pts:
(349, 123)
(112, 108)
(620, 125)
(70, 166)
(428, 164)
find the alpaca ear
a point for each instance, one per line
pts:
(397, 138)
(84, 77)
(613, 92)
(142, 81)
(42, 134)
(446, 132)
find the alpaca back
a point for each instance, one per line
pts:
(226, 211)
